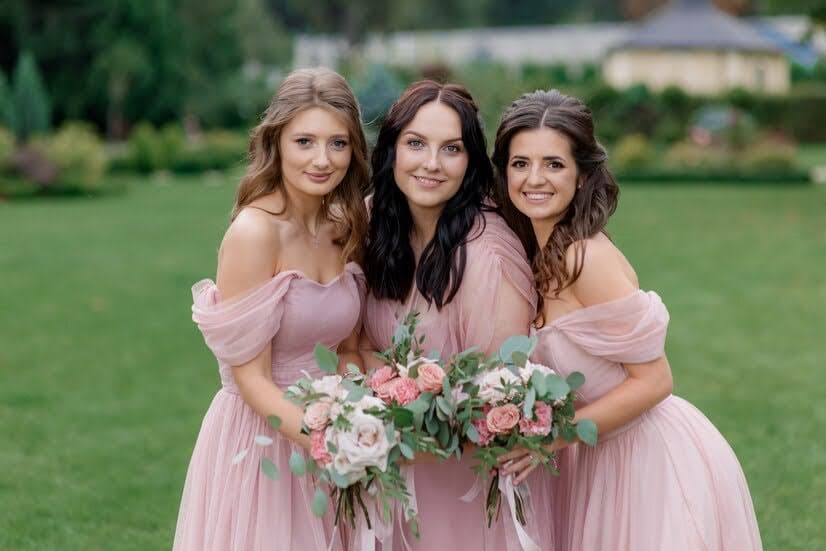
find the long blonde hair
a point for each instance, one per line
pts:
(302, 89)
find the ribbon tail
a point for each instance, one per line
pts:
(474, 490)
(507, 488)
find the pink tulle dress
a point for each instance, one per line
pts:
(235, 507)
(666, 480)
(495, 259)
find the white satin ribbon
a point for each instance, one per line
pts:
(507, 488)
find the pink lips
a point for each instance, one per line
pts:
(429, 183)
(319, 177)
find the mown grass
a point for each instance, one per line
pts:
(105, 379)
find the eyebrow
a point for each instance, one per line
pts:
(547, 158)
(311, 135)
(459, 139)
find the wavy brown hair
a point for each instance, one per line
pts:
(302, 89)
(594, 201)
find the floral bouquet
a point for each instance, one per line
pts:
(426, 388)
(516, 403)
(357, 440)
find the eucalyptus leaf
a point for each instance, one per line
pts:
(519, 358)
(420, 404)
(269, 468)
(587, 431)
(274, 421)
(262, 440)
(518, 343)
(433, 355)
(297, 464)
(444, 405)
(530, 399)
(413, 371)
(390, 431)
(472, 434)
(239, 456)
(326, 359)
(432, 425)
(538, 382)
(319, 503)
(444, 435)
(557, 387)
(353, 368)
(406, 450)
(356, 393)
(338, 479)
(575, 380)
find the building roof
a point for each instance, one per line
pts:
(696, 24)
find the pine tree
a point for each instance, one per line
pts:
(31, 111)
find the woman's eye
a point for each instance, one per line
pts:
(415, 143)
(453, 148)
(556, 164)
(519, 164)
(340, 144)
(303, 141)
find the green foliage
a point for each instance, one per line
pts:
(326, 359)
(214, 150)
(7, 146)
(79, 155)
(31, 111)
(151, 149)
(768, 155)
(376, 91)
(6, 108)
(633, 152)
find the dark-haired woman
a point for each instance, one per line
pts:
(661, 476)
(433, 246)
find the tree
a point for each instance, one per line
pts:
(31, 109)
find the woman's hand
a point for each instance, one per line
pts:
(521, 462)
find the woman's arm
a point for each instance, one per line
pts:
(606, 276)
(248, 258)
(367, 351)
(348, 353)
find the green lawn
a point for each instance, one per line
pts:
(105, 379)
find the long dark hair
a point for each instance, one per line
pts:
(594, 201)
(390, 264)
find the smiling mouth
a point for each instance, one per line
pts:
(319, 176)
(428, 182)
(537, 197)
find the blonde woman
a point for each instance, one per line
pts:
(287, 278)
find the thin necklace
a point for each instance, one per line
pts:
(315, 242)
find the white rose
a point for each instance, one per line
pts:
(365, 444)
(341, 462)
(329, 385)
(369, 402)
(527, 371)
(490, 384)
(336, 409)
(403, 369)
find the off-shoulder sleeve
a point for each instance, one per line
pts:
(628, 330)
(238, 329)
(498, 299)
(360, 283)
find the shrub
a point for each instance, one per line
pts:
(7, 145)
(768, 155)
(686, 156)
(79, 155)
(216, 150)
(376, 92)
(633, 152)
(152, 150)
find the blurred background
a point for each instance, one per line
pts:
(123, 131)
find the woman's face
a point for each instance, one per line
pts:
(315, 152)
(431, 159)
(542, 174)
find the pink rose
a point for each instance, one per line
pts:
(317, 415)
(318, 448)
(430, 377)
(385, 390)
(542, 425)
(405, 390)
(380, 376)
(501, 419)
